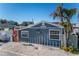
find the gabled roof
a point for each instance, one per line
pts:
(43, 22)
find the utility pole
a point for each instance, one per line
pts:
(33, 20)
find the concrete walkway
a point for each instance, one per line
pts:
(24, 49)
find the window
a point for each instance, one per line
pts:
(54, 34)
(24, 34)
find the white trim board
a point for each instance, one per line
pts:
(54, 30)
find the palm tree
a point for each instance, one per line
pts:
(58, 12)
(65, 16)
(68, 16)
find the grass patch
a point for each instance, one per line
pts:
(75, 51)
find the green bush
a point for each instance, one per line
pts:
(71, 49)
(1, 40)
(66, 49)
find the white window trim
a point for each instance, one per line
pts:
(54, 34)
(23, 36)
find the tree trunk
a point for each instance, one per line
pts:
(67, 36)
(67, 39)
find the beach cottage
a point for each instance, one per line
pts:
(42, 33)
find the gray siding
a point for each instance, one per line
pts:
(41, 38)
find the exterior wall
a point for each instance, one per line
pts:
(41, 36)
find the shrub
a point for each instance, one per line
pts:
(66, 49)
(70, 49)
(4, 41)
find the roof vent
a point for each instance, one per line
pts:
(43, 24)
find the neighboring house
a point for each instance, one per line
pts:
(76, 34)
(75, 28)
(6, 26)
(19, 27)
(42, 33)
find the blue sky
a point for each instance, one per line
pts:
(26, 11)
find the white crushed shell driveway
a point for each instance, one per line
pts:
(24, 49)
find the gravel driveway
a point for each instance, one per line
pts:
(26, 49)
